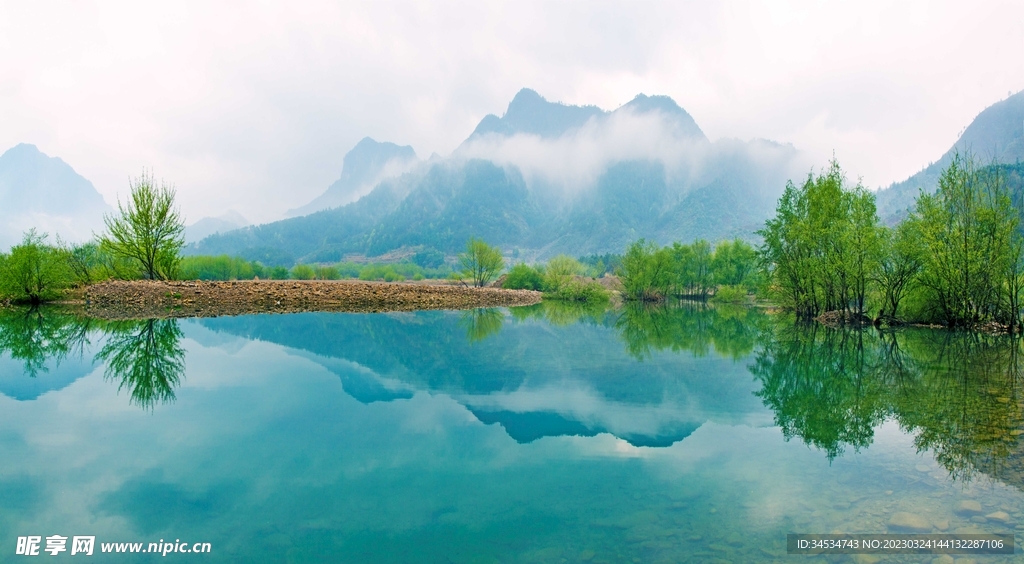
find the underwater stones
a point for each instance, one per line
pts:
(968, 507)
(909, 523)
(1000, 517)
(587, 555)
(944, 559)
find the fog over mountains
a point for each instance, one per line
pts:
(543, 178)
(45, 193)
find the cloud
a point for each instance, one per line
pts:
(253, 105)
(575, 161)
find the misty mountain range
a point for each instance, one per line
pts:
(542, 179)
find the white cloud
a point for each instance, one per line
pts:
(252, 106)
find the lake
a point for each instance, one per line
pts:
(539, 434)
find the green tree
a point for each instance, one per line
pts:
(147, 230)
(899, 264)
(524, 277)
(560, 271)
(646, 272)
(819, 251)
(481, 262)
(968, 229)
(34, 272)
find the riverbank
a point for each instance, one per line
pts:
(146, 298)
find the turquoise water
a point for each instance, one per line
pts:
(537, 434)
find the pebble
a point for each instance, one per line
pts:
(944, 559)
(587, 555)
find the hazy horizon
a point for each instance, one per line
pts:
(252, 108)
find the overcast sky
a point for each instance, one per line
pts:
(252, 106)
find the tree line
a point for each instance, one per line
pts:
(956, 260)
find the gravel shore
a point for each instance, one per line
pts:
(145, 298)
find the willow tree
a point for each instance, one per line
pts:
(820, 250)
(148, 229)
(481, 262)
(972, 258)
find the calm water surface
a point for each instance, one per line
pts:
(539, 434)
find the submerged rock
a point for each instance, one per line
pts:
(968, 507)
(909, 523)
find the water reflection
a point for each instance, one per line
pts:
(144, 357)
(691, 327)
(958, 393)
(482, 323)
(37, 337)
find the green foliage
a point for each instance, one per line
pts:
(972, 259)
(524, 277)
(730, 295)
(820, 250)
(148, 230)
(578, 290)
(428, 258)
(599, 265)
(561, 270)
(221, 267)
(481, 262)
(278, 273)
(385, 272)
(327, 273)
(646, 272)
(303, 272)
(34, 272)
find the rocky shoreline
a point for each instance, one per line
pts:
(146, 298)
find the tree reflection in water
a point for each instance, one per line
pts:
(958, 393)
(38, 335)
(481, 323)
(145, 358)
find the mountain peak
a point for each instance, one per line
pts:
(682, 121)
(530, 113)
(363, 167)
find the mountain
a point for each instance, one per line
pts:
(530, 113)
(210, 225)
(363, 168)
(547, 178)
(996, 136)
(46, 193)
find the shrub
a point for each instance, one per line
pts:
(34, 272)
(730, 294)
(576, 290)
(524, 277)
(303, 272)
(278, 273)
(327, 273)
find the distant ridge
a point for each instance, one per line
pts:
(364, 166)
(996, 135)
(44, 192)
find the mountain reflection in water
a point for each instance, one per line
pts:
(649, 376)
